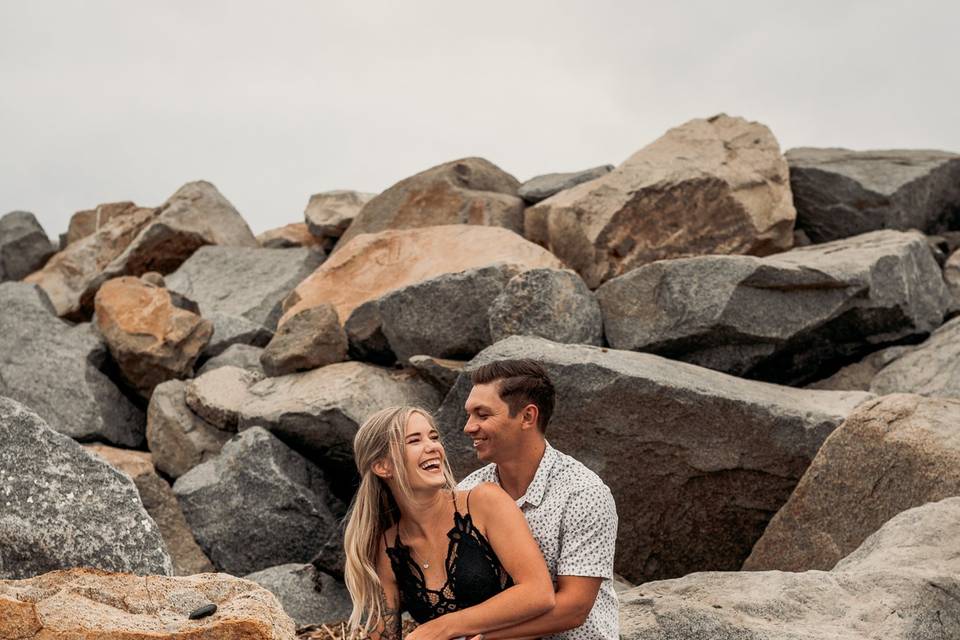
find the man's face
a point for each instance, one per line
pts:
(494, 433)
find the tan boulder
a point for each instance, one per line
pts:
(713, 186)
(88, 604)
(151, 339)
(217, 395)
(89, 221)
(160, 502)
(287, 236)
(891, 454)
(312, 338)
(374, 264)
(466, 191)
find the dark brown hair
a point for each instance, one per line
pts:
(521, 382)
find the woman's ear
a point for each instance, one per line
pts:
(383, 469)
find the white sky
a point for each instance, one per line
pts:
(272, 101)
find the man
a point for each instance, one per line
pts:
(570, 511)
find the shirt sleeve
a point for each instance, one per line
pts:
(589, 534)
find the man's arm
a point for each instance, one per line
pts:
(574, 600)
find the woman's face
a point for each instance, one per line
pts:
(423, 454)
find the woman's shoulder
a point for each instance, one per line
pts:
(485, 496)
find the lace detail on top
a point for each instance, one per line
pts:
(474, 573)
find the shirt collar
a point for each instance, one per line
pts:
(538, 486)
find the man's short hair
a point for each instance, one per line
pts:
(521, 382)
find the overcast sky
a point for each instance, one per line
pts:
(272, 101)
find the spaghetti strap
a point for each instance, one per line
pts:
(468, 501)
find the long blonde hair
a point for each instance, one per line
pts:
(374, 510)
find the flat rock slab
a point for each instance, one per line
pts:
(96, 605)
(218, 395)
(789, 318)
(542, 187)
(932, 368)
(63, 507)
(840, 193)
(698, 461)
(58, 371)
(237, 355)
(308, 596)
(24, 245)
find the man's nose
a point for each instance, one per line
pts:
(469, 427)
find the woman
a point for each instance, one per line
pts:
(461, 563)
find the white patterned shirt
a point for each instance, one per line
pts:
(573, 518)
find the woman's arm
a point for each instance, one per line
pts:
(497, 516)
(390, 625)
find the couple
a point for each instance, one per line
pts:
(468, 560)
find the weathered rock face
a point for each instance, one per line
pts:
(542, 187)
(469, 191)
(840, 193)
(230, 330)
(150, 339)
(57, 371)
(551, 303)
(96, 605)
(24, 245)
(289, 236)
(909, 567)
(328, 214)
(294, 586)
(951, 275)
(786, 317)
(891, 454)
(441, 372)
(87, 222)
(365, 339)
(178, 438)
(256, 505)
(247, 282)
(929, 369)
(161, 504)
(709, 186)
(237, 355)
(218, 395)
(373, 265)
(51, 521)
(720, 455)
(312, 338)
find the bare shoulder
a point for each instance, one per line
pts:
(488, 500)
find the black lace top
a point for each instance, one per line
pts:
(474, 573)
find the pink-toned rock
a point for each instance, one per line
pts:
(373, 264)
(291, 235)
(89, 221)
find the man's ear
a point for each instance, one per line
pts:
(383, 469)
(528, 416)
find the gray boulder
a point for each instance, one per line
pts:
(365, 339)
(542, 187)
(312, 338)
(951, 275)
(441, 372)
(929, 369)
(256, 505)
(307, 595)
(237, 355)
(58, 370)
(218, 395)
(698, 461)
(551, 303)
(840, 193)
(230, 330)
(898, 585)
(24, 245)
(788, 318)
(63, 508)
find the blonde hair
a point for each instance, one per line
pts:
(374, 509)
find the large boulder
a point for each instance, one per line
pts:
(313, 338)
(788, 318)
(218, 395)
(307, 595)
(840, 193)
(58, 370)
(89, 221)
(256, 505)
(230, 330)
(709, 186)
(24, 245)
(241, 281)
(929, 369)
(151, 339)
(469, 191)
(894, 453)
(374, 264)
(718, 455)
(237, 355)
(62, 507)
(542, 187)
(329, 214)
(951, 275)
(96, 605)
(898, 585)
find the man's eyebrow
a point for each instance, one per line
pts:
(476, 407)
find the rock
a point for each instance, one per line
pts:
(161, 504)
(151, 340)
(63, 508)
(247, 282)
(217, 395)
(789, 318)
(256, 505)
(230, 330)
(331, 559)
(289, 236)
(469, 191)
(178, 438)
(375, 264)
(365, 339)
(929, 369)
(551, 303)
(898, 585)
(840, 193)
(237, 355)
(714, 186)
(441, 372)
(859, 375)
(445, 316)
(312, 338)
(318, 412)
(720, 455)
(96, 605)
(293, 584)
(59, 371)
(88, 222)
(155, 279)
(542, 187)
(891, 454)
(328, 214)
(951, 275)
(24, 245)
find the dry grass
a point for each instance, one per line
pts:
(339, 631)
